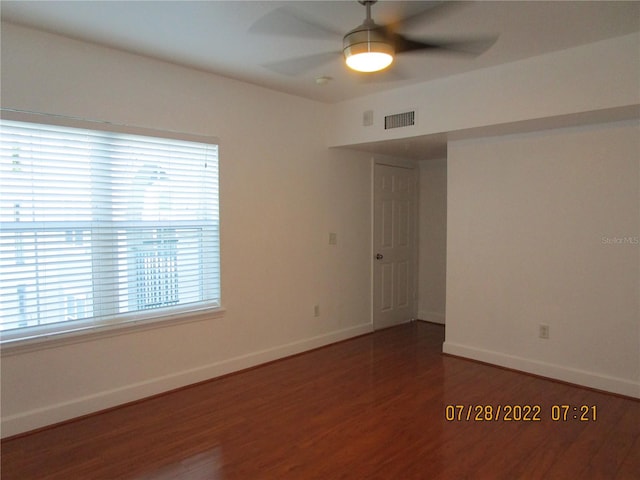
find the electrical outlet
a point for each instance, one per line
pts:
(333, 238)
(544, 331)
(316, 310)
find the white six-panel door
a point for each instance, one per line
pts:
(394, 245)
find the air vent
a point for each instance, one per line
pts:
(398, 120)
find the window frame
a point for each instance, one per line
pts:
(53, 336)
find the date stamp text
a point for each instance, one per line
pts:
(519, 413)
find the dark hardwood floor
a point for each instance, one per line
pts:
(368, 408)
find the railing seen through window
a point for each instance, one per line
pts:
(101, 227)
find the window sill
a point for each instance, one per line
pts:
(60, 339)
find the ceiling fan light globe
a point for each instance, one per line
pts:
(369, 61)
(368, 56)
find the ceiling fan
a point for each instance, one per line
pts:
(369, 47)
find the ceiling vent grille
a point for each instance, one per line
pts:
(399, 120)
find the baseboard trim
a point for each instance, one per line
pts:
(53, 414)
(584, 378)
(431, 317)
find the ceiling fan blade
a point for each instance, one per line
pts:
(291, 22)
(300, 65)
(471, 46)
(437, 9)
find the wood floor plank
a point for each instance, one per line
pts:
(371, 407)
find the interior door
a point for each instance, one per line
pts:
(394, 245)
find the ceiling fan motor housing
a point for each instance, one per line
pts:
(363, 38)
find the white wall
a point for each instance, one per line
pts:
(432, 228)
(282, 191)
(545, 228)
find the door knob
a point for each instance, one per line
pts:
(379, 256)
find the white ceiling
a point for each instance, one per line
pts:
(218, 36)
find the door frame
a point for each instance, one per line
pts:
(400, 163)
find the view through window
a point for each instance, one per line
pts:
(98, 227)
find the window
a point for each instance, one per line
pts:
(101, 228)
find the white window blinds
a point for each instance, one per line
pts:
(98, 228)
